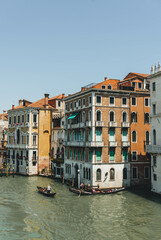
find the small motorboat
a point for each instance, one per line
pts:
(45, 192)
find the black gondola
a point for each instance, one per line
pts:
(45, 192)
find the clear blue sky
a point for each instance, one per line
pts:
(58, 46)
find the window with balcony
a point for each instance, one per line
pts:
(112, 154)
(134, 172)
(134, 156)
(98, 115)
(133, 117)
(112, 116)
(98, 100)
(112, 174)
(98, 155)
(124, 135)
(112, 101)
(146, 118)
(98, 174)
(124, 116)
(133, 103)
(125, 173)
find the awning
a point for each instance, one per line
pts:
(73, 115)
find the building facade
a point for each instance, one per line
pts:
(100, 137)
(155, 147)
(29, 136)
(3, 137)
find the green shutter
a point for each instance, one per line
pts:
(98, 155)
(124, 155)
(112, 155)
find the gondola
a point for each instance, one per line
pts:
(44, 192)
(112, 190)
(80, 191)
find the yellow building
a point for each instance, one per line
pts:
(29, 136)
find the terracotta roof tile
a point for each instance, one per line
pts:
(40, 104)
(61, 96)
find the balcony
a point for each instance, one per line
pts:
(76, 125)
(125, 144)
(68, 126)
(57, 160)
(112, 144)
(99, 124)
(125, 124)
(82, 124)
(112, 124)
(89, 124)
(76, 144)
(34, 159)
(27, 124)
(95, 144)
(153, 149)
(35, 125)
(65, 143)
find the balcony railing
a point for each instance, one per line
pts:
(34, 159)
(77, 144)
(112, 124)
(94, 144)
(125, 144)
(57, 160)
(99, 124)
(153, 148)
(82, 124)
(112, 144)
(88, 124)
(35, 125)
(125, 124)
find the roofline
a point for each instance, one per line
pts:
(154, 75)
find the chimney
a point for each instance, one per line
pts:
(63, 95)
(105, 78)
(4, 111)
(13, 106)
(20, 102)
(46, 95)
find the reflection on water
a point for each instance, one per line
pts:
(26, 214)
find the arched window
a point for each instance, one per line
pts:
(112, 174)
(133, 117)
(134, 136)
(18, 136)
(147, 137)
(98, 174)
(125, 173)
(90, 116)
(83, 117)
(112, 116)
(154, 137)
(146, 118)
(124, 117)
(98, 116)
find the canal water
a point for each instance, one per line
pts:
(25, 214)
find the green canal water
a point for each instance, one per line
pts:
(26, 214)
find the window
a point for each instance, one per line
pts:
(133, 117)
(34, 118)
(74, 104)
(154, 137)
(59, 103)
(140, 85)
(125, 173)
(79, 154)
(146, 118)
(103, 87)
(134, 172)
(79, 103)
(124, 117)
(112, 155)
(112, 101)
(155, 177)
(22, 140)
(27, 139)
(71, 106)
(98, 135)
(146, 172)
(124, 101)
(109, 87)
(90, 100)
(147, 102)
(154, 109)
(153, 86)
(90, 135)
(90, 115)
(66, 107)
(98, 115)
(90, 156)
(134, 138)
(70, 154)
(22, 118)
(133, 101)
(14, 119)
(18, 119)
(83, 155)
(83, 117)
(84, 102)
(111, 135)
(89, 174)
(98, 155)
(98, 174)
(134, 155)
(124, 155)
(98, 99)
(124, 135)
(112, 116)
(34, 140)
(9, 120)
(28, 117)
(112, 174)
(147, 137)
(133, 84)
(154, 161)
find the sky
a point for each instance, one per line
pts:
(59, 46)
